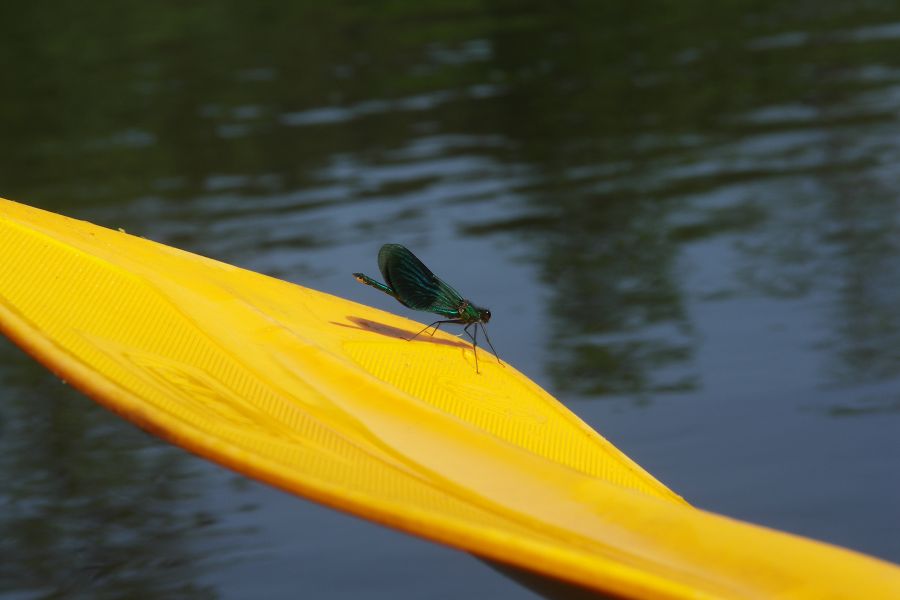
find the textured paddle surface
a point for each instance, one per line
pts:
(326, 398)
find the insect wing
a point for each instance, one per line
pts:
(414, 283)
(447, 301)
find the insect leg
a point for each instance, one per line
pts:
(488, 338)
(474, 343)
(436, 326)
(474, 338)
(475, 348)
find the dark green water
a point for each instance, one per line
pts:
(684, 217)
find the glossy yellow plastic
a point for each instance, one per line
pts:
(325, 398)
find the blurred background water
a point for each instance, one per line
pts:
(684, 217)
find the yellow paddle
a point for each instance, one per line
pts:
(325, 398)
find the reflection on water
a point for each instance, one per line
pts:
(90, 504)
(659, 207)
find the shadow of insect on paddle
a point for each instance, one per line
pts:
(396, 332)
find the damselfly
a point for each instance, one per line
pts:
(414, 285)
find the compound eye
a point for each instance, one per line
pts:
(485, 315)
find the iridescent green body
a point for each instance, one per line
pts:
(415, 286)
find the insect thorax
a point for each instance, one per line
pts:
(469, 313)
